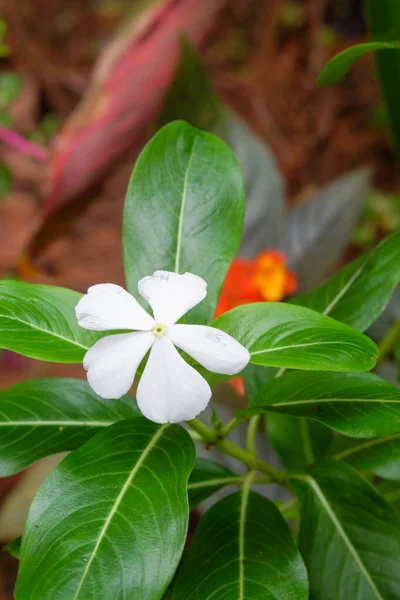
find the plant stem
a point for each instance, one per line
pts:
(225, 431)
(252, 435)
(242, 455)
(388, 342)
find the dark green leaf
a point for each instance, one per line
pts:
(341, 64)
(14, 547)
(355, 404)
(184, 211)
(299, 442)
(359, 292)
(46, 416)
(380, 456)
(383, 20)
(283, 335)
(5, 180)
(390, 490)
(39, 321)
(256, 377)
(191, 96)
(110, 521)
(207, 478)
(349, 536)
(242, 548)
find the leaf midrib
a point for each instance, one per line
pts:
(182, 211)
(278, 348)
(332, 515)
(331, 400)
(48, 332)
(118, 501)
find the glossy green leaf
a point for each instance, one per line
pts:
(14, 547)
(110, 521)
(39, 321)
(299, 442)
(380, 456)
(349, 536)
(207, 478)
(283, 335)
(184, 211)
(341, 64)
(242, 548)
(359, 292)
(46, 416)
(355, 404)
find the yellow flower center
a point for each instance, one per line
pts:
(159, 330)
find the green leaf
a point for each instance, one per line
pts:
(341, 64)
(349, 536)
(207, 478)
(299, 442)
(284, 335)
(380, 456)
(110, 521)
(359, 292)
(10, 87)
(184, 211)
(242, 548)
(390, 490)
(39, 321)
(5, 180)
(46, 416)
(356, 404)
(383, 20)
(14, 547)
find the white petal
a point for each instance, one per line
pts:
(212, 348)
(170, 390)
(171, 295)
(107, 306)
(112, 362)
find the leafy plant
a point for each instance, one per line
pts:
(111, 519)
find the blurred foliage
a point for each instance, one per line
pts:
(381, 216)
(4, 49)
(5, 180)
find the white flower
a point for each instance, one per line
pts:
(170, 390)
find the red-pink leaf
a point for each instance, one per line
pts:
(126, 94)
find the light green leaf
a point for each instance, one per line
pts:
(39, 321)
(14, 547)
(380, 456)
(46, 416)
(242, 548)
(356, 404)
(359, 292)
(110, 521)
(349, 536)
(184, 211)
(283, 335)
(341, 64)
(207, 478)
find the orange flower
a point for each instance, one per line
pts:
(263, 279)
